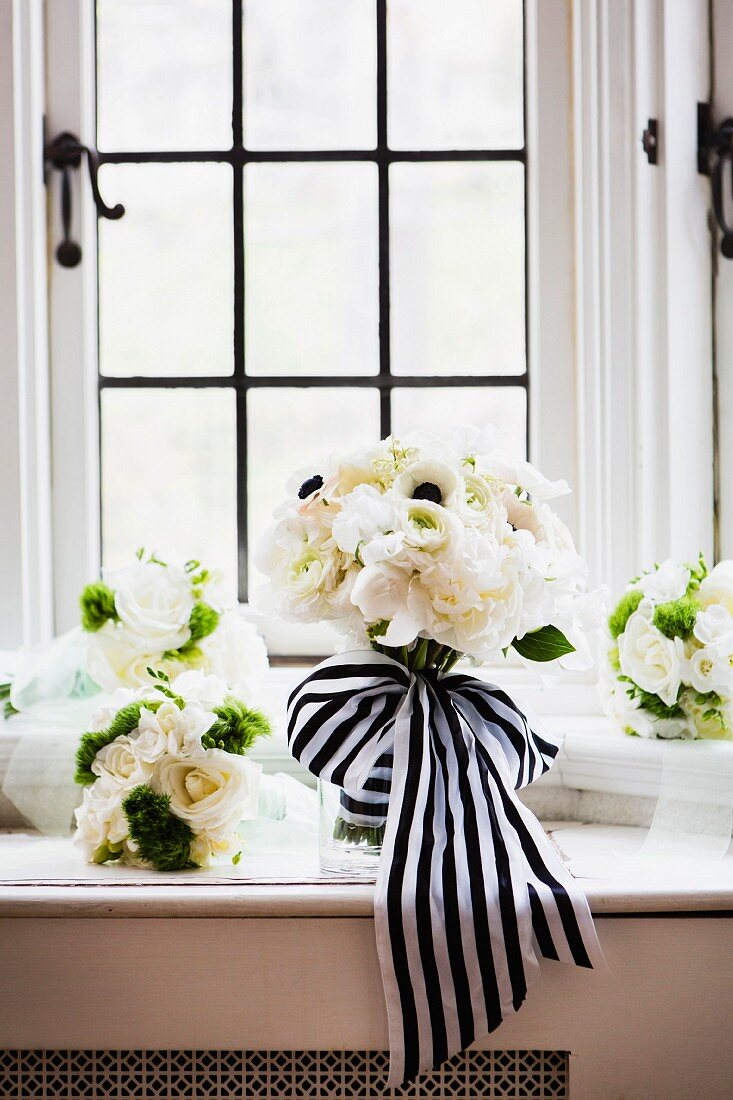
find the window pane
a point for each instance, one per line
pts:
(291, 428)
(455, 74)
(309, 74)
(312, 297)
(164, 74)
(457, 265)
(165, 271)
(436, 409)
(169, 476)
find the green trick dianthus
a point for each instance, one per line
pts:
(203, 621)
(676, 618)
(97, 603)
(623, 611)
(161, 838)
(236, 727)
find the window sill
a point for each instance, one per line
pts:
(50, 880)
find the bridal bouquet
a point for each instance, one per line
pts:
(420, 551)
(165, 774)
(165, 616)
(669, 668)
(429, 549)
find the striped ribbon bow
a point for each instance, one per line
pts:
(469, 889)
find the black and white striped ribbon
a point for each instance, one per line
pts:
(469, 890)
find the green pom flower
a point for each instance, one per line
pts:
(161, 838)
(624, 609)
(676, 618)
(236, 727)
(203, 621)
(97, 603)
(124, 722)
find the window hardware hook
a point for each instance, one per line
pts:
(714, 149)
(64, 153)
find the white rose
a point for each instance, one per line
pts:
(114, 658)
(119, 760)
(100, 821)
(154, 602)
(669, 582)
(652, 661)
(211, 793)
(713, 624)
(718, 586)
(237, 654)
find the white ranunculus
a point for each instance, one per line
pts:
(649, 659)
(668, 582)
(100, 821)
(717, 587)
(430, 529)
(237, 654)
(713, 624)
(212, 793)
(431, 472)
(483, 504)
(114, 658)
(119, 760)
(154, 602)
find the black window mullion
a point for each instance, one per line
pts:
(385, 397)
(240, 371)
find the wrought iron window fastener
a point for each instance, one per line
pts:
(63, 154)
(714, 148)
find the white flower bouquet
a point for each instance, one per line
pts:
(421, 551)
(431, 548)
(669, 666)
(166, 779)
(152, 614)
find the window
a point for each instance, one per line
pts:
(345, 260)
(383, 239)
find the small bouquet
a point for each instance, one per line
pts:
(152, 614)
(669, 666)
(165, 774)
(429, 549)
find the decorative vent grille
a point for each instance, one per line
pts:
(272, 1075)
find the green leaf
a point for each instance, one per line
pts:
(545, 644)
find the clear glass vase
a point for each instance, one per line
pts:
(345, 848)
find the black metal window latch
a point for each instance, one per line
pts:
(714, 148)
(63, 154)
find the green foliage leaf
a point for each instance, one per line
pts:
(236, 727)
(97, 603)
(162, 838)
(545, 644)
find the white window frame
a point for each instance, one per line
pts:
(618, 297)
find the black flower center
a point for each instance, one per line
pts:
(428, 491)
(311, 485)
